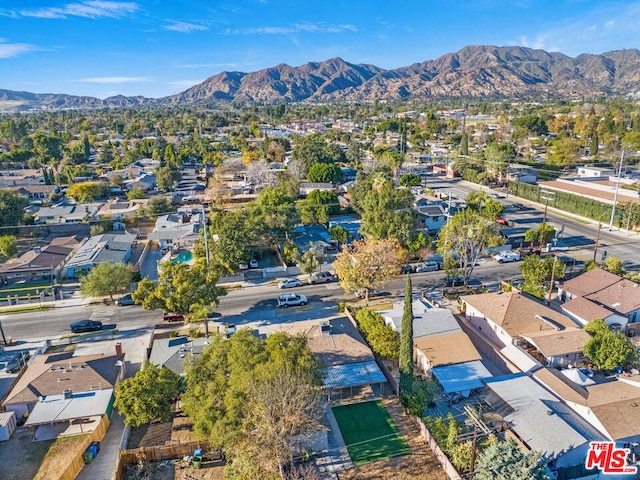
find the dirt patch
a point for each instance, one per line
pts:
(178, 430)
(59, 456)
(20, 457)
(421, 464)
(174, 470)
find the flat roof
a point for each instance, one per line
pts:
(353, 375)
(462, 377)
(57, 408)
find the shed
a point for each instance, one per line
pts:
(8, 424)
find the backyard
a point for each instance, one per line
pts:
(369, 432)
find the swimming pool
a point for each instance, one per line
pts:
(183, 257)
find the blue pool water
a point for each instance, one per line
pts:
(183, 257)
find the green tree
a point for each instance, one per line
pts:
(464, 238)
(147, 395)
(136, 193)
(11, 207)
(232, 236)
(534, 234)
(611, 264)
(310, 260)
(593, 148)
(405, 384)
(536, 272)
(324, 173)
(382, 339)
(318, 207)
(419, 244)
(180, 289)
(165, 178)
(157, 206)
(476, 199)
(339, 234)
(368, 264)
(8, 246)
(492, 209)
(107, 279)
(503, 460)
(607, 349)
(464, 144)
(87, 191)
(410, 180)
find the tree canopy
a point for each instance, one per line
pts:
(503, 460)
(607, 349)
(107, 279)
(405, 384)
(147, 395)
(11, 207)
(368, 264)
(536, 271)
(8, 246)
(382, 339)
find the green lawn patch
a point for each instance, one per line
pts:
(24, 308)
(369, 432)
(23, 290)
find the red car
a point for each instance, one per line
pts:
(173, 317)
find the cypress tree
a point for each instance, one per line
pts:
(406, 346)
(593, 148)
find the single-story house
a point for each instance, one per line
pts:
(314, 236)
(305, 188)
(556, 349)
(174, 352)
(431, 217)
(591, 171)
(176, 229)
(144, 182)
(522, 173)
(117, 210)
(36, 193)
(54, 373)
(67, 213)
(105, 248)
(542, 422)
(445, 349)
(352, 372)
(350, 223)
(504, 316)
(46, 263)
(427, 320)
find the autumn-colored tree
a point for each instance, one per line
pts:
(368, 264)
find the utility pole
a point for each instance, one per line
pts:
(595, 249)
(4, 339)
(553, 278)
(615, 195)
(546, 196)
(203, 219)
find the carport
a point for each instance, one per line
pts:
(354, 380)
(461, 378)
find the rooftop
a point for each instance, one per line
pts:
(426, 319)
(447, 349)
(341, 344)
(558, 343)
(60, 408)
(590, 282)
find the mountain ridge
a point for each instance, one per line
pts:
(479, 71)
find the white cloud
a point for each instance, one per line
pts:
(184, 27)
(11, 50)
(108, 80)
(295, 28)
(86, 9)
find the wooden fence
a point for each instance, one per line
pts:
(162, 452)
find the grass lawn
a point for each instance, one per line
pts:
(21, 290)
(369, 432)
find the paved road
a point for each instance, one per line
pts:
(253, 305)
(577, 235)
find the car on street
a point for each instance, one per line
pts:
(497, 195)
(126, 300)
(362, 293)
(82, 326)
(518, 206)
(454, 281)
(506, 257)
(321, 277)
(291, 300)
(289, 283)
(243, 266)
(253, 263)
(427, 267)
(406, 269)
(172, 317)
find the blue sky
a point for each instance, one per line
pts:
(157, 47)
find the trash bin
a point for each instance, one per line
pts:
(197, 452)
(197, 462)
(93, 449)
(87, 457)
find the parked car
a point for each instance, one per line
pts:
(321, 277)
(243, 266)
(85, 326)
(126, 300)
(172, 317)
(253, 263)
(16, 363)
(497, 195)
(362, 293)
(291, 300)
(502, 221)
(508, 256)
(406, 269)
(289, 282)
(427, 267)
(525, 252)
(518, 206)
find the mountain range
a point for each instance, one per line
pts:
(474, 71)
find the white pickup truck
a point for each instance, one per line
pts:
(508, 256)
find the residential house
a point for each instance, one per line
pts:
(37, 193)
(542, 422)
(504, 317)
(601, 294)
(118, 210)
(352, 372)
(145, 182)
(305, 188)
(431, 217)
(313, 236)
(176, 229)
(41, 263)
(54, 373)
(174, 352)
(610, 407)
(556, 349)
(19, 177)
(105, 248)
(350, 223)
(67, 213)
(591, 171)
